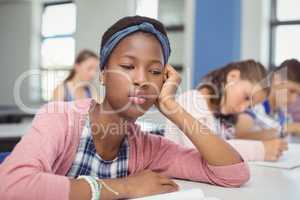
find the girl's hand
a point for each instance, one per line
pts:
(274, 149)
(172, 80)
(292, 128)
(148, 183)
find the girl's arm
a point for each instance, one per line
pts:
(213, 149)
(178, 161)
(80, 190)
(266, 134)
(251, 150)
(58, 93)
(95, 95)
(292, 128)
(244, 126)
(142, 184)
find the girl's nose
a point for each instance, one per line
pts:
(139, 77)
(293, 99)
(243, 107)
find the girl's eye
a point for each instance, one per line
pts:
(156, 71)
(128, 67)
(247, 98)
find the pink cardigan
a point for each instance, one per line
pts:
(37, 166)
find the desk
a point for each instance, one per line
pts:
(294, 139)
(10, 134)
(14, 130)
(265, 183)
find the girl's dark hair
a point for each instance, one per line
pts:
(290, 69)
(81, 57)
(131, 21)
(215, 81)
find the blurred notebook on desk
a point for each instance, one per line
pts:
(289, 160)
(192, 194)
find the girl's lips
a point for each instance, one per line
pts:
(137, 100)
(140, 96)
(137, 97)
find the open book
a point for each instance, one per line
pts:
(289, 160)
(191, 194)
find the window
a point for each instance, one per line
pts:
(147, 8)
(57, 45)
(285, 31)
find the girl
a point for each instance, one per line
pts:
(221, 94)
(76, 85)
(294, 110)
(270, 119)
(96, 151)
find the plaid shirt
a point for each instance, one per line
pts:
(88, 162)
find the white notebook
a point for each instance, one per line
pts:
(289, 160)
(191, 194)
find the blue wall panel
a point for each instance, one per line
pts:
(217, 35)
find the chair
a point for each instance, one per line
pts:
(3, 155)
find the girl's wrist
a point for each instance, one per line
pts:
(119, 185)
(169, 107)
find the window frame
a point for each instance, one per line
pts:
(43, 38)
(274, 24)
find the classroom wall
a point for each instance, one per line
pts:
(94, 17)
(230, 30)
(217, 35)
(217, 32)
(15, 45)
(97, 15)
(255, 30)
(20, 39)
(182, 52)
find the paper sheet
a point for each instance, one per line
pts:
(192, 194)
(289, 160)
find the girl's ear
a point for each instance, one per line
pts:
(77, 66)
(233, 76)
(102, 77)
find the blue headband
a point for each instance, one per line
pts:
(118, 36)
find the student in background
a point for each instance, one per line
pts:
(271, 118)
(102, 143)
(77, 84)
(294, 110)
(222, 94)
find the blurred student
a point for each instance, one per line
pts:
(294, 110)
(271, 118)
(78, 84)
(222, 94)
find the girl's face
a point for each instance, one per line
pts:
(87, 69)
(240, 94)
(287, 96)
(285, 92)
(292, 96)
(134, 75)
